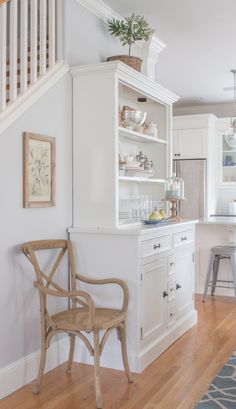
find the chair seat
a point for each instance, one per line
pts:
(76, 319)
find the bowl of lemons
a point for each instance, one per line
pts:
(157, 216)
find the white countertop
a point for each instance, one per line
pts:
(220, 220)
(132, 230)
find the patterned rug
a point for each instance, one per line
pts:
(222, 392)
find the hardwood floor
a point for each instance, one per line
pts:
(176, 380)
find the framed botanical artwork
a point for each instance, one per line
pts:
(38, 170)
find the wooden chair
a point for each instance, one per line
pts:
(82, 317)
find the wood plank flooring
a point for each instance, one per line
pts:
(176, 380)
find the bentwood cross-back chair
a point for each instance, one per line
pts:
(83, 316)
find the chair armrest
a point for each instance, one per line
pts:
(71, 294)
(117, 281)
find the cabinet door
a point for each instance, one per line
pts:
(153, 303)
(184, 281)
(176, 149)
(190, 143)
(227, 162)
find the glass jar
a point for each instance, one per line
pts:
(174, 187)
(151, 129)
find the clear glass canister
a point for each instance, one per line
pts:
(174, 187)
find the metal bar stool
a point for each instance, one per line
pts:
(218, 253)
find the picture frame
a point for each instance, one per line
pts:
(38, 170)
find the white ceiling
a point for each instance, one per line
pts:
(201, 45)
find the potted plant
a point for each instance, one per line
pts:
(129, 30)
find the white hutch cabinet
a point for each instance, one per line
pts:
(99, 92)
(157, 263)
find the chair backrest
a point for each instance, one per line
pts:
(46, 279)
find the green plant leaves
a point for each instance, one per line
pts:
(130, 29)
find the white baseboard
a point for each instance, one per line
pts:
(23, 371)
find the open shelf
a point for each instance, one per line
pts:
(134, 136)
(137, 179)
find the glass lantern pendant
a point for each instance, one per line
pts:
(230, 134)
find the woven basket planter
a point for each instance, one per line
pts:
(134, 62)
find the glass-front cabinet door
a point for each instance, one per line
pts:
(227, 165)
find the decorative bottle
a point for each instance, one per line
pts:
(174, 188)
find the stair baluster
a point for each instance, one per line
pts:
(30, 45)
(13, 49)
(3, 58)
(24, 46)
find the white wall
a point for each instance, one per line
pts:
(19, 312)
(85, 41)
(222, 110)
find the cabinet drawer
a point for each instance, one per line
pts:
(171, 264)
(171, 316)
(184, 237)
(171, 289)
(156, 246)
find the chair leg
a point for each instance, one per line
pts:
(71, 353)
(233, 267)
(215, 274)
(41, 370)
(97, 370)
(122, 337)
(208, 277)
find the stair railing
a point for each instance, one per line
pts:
(30, 44)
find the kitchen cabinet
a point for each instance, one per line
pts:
(157, 264)
(184, 281)
(192, 135)
(153, 285)
(189, 143)
(100, 192)
(226, 162)
(195, 137)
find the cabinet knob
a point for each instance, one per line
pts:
(178, 286)
(172, 264)
(183, 238)
(172, 314)
(178, 154)
(157, 246)
(165, 294)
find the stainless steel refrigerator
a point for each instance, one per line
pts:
(193, 173)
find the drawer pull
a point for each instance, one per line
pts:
(165, 294)
(178, 286)
(183, 238)
(157, 246)
(172, 314)
(172, 264)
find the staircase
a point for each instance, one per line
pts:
(30, 50)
